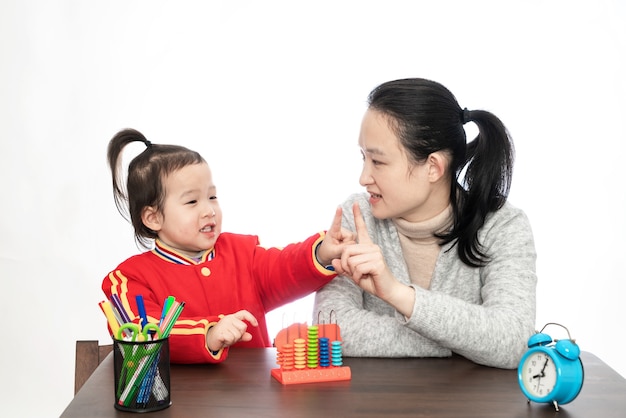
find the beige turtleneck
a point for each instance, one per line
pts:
(420, 246)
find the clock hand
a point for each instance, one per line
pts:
(542, 372)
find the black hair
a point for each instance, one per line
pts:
(144, 183)
(427, 118)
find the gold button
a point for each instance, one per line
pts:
(206, 271)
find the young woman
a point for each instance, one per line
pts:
(227, 281)
(444, 264)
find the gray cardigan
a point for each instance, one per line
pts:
(484, 314)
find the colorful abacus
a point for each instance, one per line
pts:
(309, 360)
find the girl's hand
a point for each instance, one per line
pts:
(230, 330)
(336, 239)
(365, 265)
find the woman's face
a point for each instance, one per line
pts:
(398, 187)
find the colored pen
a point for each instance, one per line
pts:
(142, 311)
(173, 320)
(168, 317)
(105, 305)
(166, 307)
(148, 384)
(117, 304)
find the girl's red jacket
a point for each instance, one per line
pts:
(237, 274)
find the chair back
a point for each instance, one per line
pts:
(89, 354)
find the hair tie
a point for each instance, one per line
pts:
(148, 143)
(465, 116)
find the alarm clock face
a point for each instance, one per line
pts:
(539, 374)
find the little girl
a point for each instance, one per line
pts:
(227, 281)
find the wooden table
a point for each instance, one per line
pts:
(242, 386)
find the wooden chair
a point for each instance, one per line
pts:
(89, 354)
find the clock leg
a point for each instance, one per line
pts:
(556, 406)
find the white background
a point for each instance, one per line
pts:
(272, 94)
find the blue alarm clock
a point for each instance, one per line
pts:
(551, 370)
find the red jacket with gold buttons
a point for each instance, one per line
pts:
(237, 274)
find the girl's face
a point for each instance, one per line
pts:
(398, 187)
(191, 220)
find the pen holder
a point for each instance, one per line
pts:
(142, 375)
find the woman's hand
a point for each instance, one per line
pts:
(365, 265)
